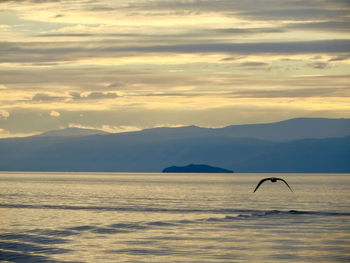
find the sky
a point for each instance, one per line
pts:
(134, 64)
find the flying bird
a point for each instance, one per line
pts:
(273, 180)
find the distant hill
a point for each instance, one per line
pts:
(72, 132)
(195, 168)
(152, 150)
(289, 130)
(307, 156)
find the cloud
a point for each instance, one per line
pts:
(341, 26)
(340, 58)
(68, 35)
(107, 128)
(319, 65)
(55, 52)
(101, 95)
(32, 1)
(113, 85)
(6, 134)
(297, 14)
(46, 97)
(320, 46)
(253, 9)
(75, 95)
(260, 93)
(176, 94)
(244, 31)
(229, 59)
(92, 79)
(4, 115)
(253, 64)
(54, 113)
(264, 93)
(93, 95)
(184, 35)
(293, 93)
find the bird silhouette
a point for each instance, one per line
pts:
(273, 180)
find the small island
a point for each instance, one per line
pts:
(195, 168)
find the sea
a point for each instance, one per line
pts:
(154, 217)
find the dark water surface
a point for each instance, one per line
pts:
(119, 217)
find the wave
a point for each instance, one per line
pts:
(239, 212)
(298, 212)
(59, 236)
(42, 238)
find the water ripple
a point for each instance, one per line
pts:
(178, 210)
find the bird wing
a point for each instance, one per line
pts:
(263, 180)
(285, 183)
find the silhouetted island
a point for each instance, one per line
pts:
(195, 168)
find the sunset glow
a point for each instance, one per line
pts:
(129, 65)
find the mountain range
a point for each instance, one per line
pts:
(297, 145)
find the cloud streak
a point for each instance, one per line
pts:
(294, 93)
(93, 96)
(46, 97)
(52, 52)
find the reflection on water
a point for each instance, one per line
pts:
(102, 217)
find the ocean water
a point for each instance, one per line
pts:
(128, 217)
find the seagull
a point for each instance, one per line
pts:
(273, 180)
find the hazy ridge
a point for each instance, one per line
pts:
(297, 145)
